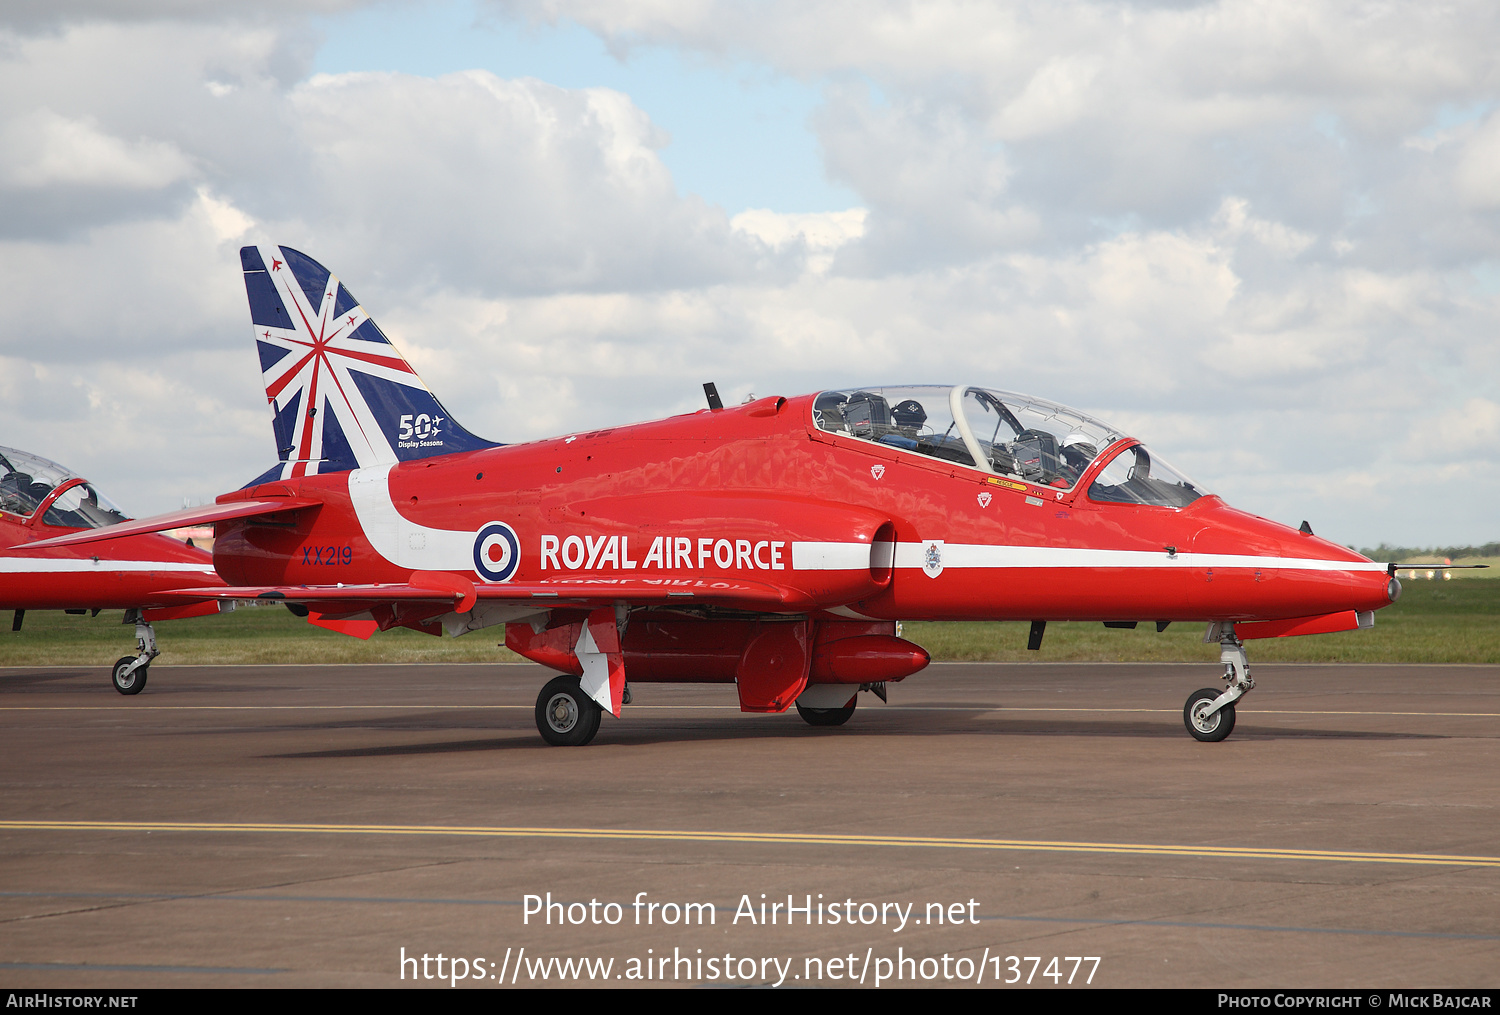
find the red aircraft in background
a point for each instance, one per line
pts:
(40, 499)
(773, 545)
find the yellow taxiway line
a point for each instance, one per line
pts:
(760, 838)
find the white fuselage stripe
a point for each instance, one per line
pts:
(830, 556)
(398, 539)
(74, 565)
(824, 557)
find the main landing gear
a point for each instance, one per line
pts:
(565, 715)
(1209, 713)
(826, 716)
(129, 674)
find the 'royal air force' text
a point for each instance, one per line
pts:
(666, 553)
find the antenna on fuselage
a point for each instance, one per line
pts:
(714, 401)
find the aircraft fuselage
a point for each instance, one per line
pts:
(757, 492)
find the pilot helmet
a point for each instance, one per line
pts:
(1080, 443)
(909, 413)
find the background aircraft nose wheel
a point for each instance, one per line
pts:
(1209, 729)
(565, 716)
(825, 716)
(126, 682)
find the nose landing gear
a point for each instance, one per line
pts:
(129, 673)
(1209, 713)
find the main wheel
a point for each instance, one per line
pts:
(126, 682)
(565, 716)
(1211, 728)
(825, 716)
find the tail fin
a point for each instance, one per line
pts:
(341, 396)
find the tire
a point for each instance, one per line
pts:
(825, 716)
(1217, 726)
(565, 716)
(132, 684)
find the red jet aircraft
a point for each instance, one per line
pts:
(40, 499)
(773, 545)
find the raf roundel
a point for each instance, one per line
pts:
(497, 552)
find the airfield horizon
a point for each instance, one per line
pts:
(1455, 621)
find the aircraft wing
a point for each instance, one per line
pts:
(575, 591)
(178, 519)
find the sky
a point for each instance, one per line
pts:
(1262, 236)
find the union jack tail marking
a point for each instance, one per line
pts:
(341, 396)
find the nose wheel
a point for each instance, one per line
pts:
(1203, 723)
(1209, 712)
(127, 677)
(129, 673)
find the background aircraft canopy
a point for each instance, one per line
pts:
(1007, 434)
(26, 481)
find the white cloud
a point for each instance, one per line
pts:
(1462, 433)
(1107, 108)
(41, 148)
(48, 15)
(1235, 219)
(1056, 96)
(499, 185)
(1478, 171)
(226, 221)
(821, 234)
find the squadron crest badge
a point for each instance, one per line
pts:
(932, 558)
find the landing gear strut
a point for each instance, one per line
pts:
(1209, 713)
(129, 674)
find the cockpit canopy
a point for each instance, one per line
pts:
(1006, 434)
(26, 481)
